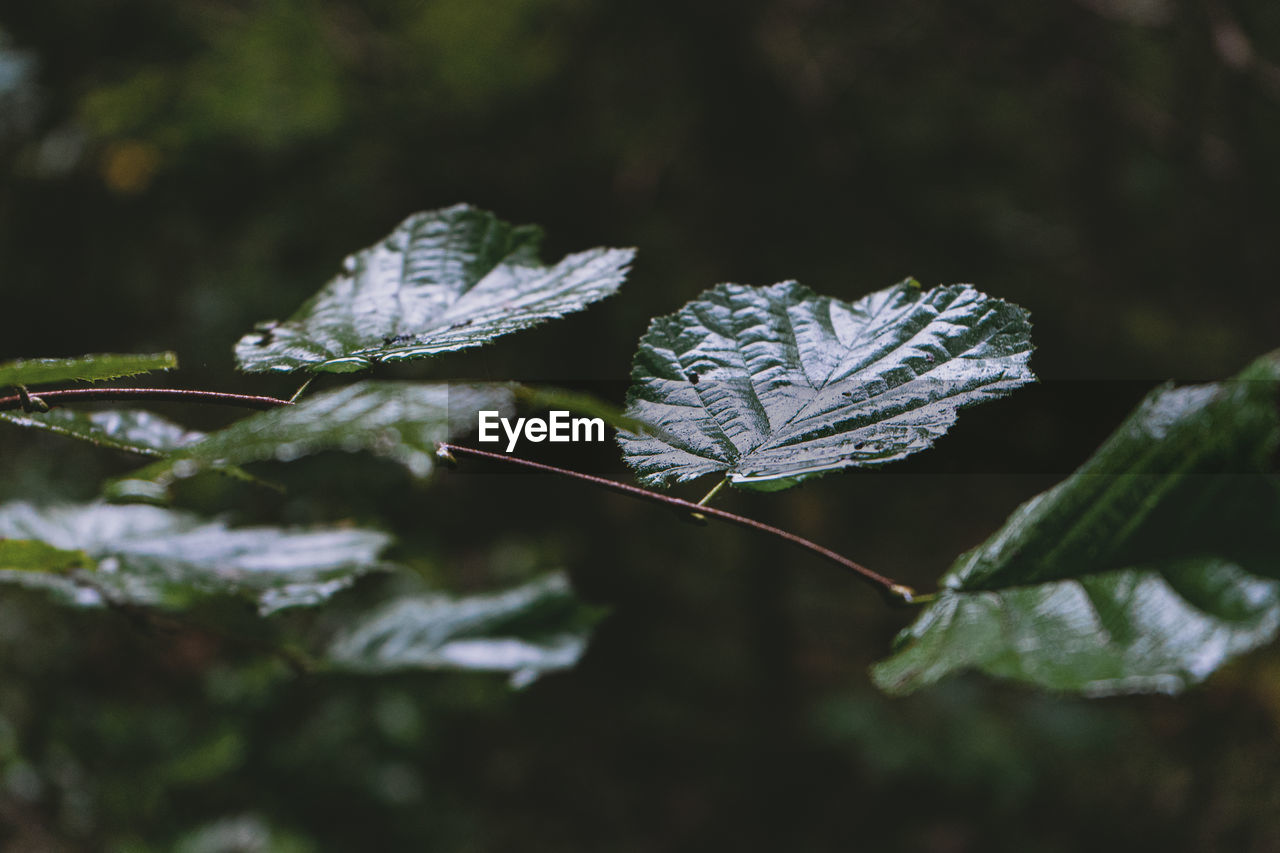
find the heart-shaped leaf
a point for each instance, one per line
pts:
(443, 280)
(1145, 570)
(770, 385)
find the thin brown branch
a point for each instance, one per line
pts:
(65, 396)
(894, 592)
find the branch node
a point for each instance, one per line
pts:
(445, 456)
(901, 595)
(30, 402)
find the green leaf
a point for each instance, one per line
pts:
(29, 555)
(398, 420)
(35, 371)
(443, 280)
(150, 556)
(133, 430)
(1145, 570)
(526, 631)
(770, 385)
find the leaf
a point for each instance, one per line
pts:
(527, 631)
(443, 280)
(133, 430)
(398, 420)
(145, 555)
(29, 555)
(770, 385)
(1148, 568)
(35, 371)
(34, 564)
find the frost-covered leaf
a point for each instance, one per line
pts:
(443, 280)
(1145, 570)
(150, 556)
(769, 385)
(398, 420)
(526, 631)
(133, 430)
(36, 371)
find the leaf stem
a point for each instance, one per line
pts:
(301, 388)
(706, 499)
(893, 592)
(64, 396)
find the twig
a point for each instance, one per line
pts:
(301, 388)
(894, 592)
(706, 499)
(63, 396)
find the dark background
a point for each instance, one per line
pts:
(174, 171)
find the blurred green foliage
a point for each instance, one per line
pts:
(175, 170)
